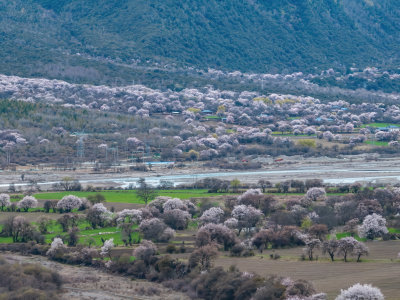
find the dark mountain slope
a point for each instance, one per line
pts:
(252, 35)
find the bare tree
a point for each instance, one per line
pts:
(146, 192)
(203, 257)
(330, 247)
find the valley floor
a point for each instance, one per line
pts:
(346, 169)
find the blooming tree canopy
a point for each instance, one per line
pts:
(361, 291)
(316, 194)
(106, 248)
(212, 215)
(68, 203)
(373, 226)
(27, 202)
(57, 247)
(247, 216)
(4, 201)
(130, 216)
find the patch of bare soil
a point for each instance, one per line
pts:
(30, 216)
(381, 268)
(89, 283)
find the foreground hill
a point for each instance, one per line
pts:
(93, 40)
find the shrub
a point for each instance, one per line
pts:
(155, 229)
(361, 291)
(176, 218)
(145, 251)
(171, 248)
(57, 249)
(28, 281)
(203, 257)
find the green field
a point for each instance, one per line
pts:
(123, 196)
(379, 125)
(376, 143)
(289, 134)
(212, 117)
(347, 234)
(84, 233)
(394, 230)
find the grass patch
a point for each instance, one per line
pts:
(394, 230)
(85, 233)
(377, 143)
(123, 196)
(289, 134)
(301, 194)
(6, 240)
(347, 234)
(379, 125)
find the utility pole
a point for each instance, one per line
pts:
(80, 144)
(80, 152)
(8, 152)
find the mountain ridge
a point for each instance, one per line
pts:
(276, 37)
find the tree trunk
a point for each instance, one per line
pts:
(332, 256)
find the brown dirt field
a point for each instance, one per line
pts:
(30, 216)
(88, 283)
(380, 269)
(121, 206)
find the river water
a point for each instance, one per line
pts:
(329, 174)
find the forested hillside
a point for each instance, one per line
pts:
(95, 40)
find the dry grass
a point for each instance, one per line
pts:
(380, 268)
(88, 283)
(30, 216)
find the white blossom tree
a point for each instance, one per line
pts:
(156, 229)
(145, 251)
(327, 135)
(212, 215)
(174, 203)
(316, 194)
(373, 226)
(361, 291)
(359, 250)
(216, 233)
(247, 216)
(57, 248)
(346, 246)
(311, 245)
(4, 201)
(27, 202)
(231, 223)
(68, 203)
(98, 215)
(106, 248)
(130, 216)
(176, 218)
